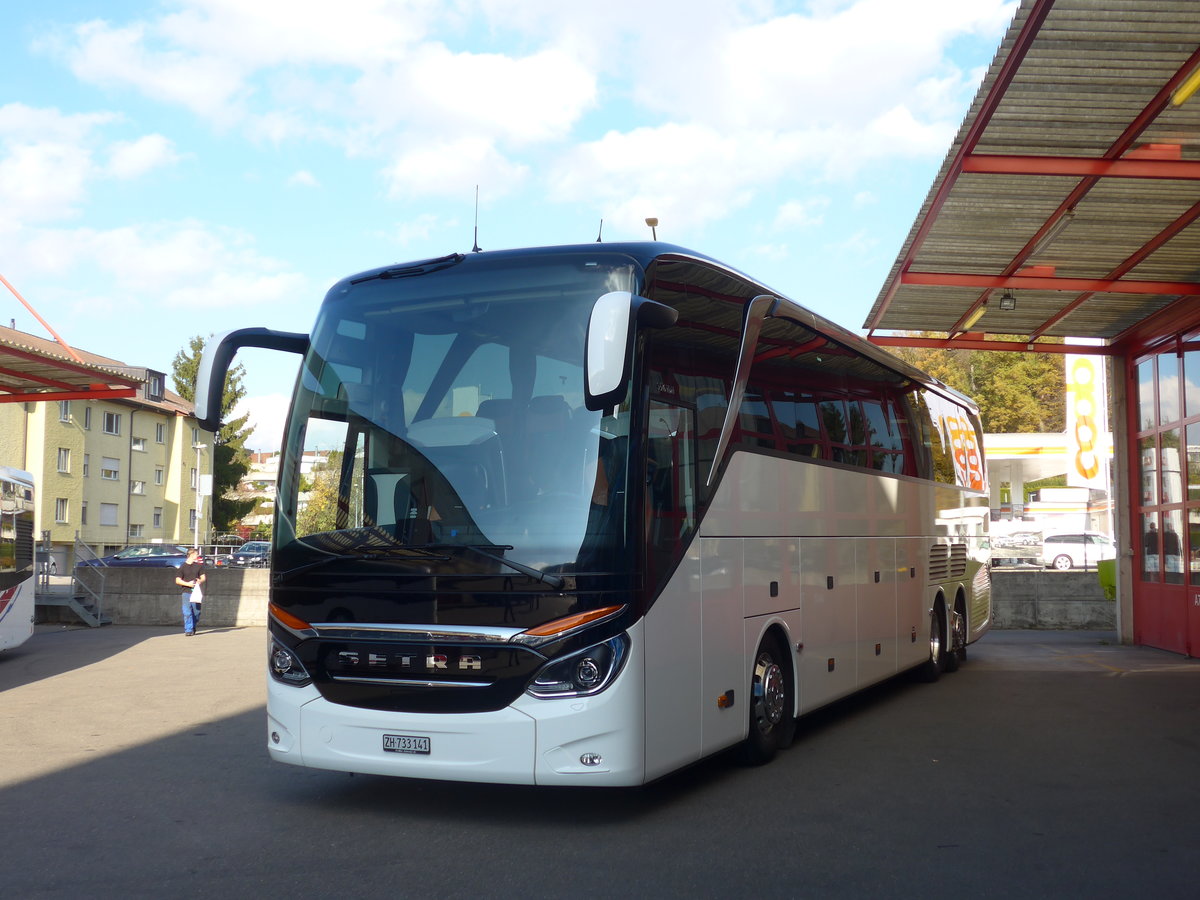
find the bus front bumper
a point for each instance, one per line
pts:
(578, 741)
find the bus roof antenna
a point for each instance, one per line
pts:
(600, 232)
(475, 248)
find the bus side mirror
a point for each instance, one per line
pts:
(607, 358)
(219, 353)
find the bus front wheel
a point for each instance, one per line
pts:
(772, 706)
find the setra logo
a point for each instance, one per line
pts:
(408, 662)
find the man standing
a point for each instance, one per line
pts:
(191, 576)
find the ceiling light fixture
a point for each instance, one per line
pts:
(1008, 300)
(975, 316)
(1190, 85)
(1053, 231)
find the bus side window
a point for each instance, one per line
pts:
(670, 483)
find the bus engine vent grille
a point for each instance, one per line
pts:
(939, 563)
(958, 560)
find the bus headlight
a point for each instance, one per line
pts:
(584, 672)
(285, 666)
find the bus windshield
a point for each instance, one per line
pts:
(439, 422)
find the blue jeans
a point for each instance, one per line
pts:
(191, 613)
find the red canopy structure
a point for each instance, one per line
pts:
(30, 370)
(1067, 203)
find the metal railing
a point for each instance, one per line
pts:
(88, 580)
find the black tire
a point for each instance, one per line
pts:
(772, 705)
(956, 653)
(1062, 562)
(930, 670)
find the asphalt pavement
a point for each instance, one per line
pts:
(1053, 764)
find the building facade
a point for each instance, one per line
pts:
(111, 472)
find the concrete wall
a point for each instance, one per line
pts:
(134, 596)
(1047, 599)
(1022, 598)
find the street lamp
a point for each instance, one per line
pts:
(196, 524)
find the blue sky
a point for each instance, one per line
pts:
(187, 166)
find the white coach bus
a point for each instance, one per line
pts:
(16, 557)
(586, 514)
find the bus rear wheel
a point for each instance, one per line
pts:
(933, 667)
(956, 654)
(772, 706)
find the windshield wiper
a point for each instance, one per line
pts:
(554, 581)
(417, 553)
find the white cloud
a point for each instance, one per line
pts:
(237, 289)
(419, 228)
(131, 159)
(801, 213)
(829, 88)
(207, 85)
(48, 160)
(453, 169)
(519, 100)
(45, 162)
(686, 175)
(859, 245)
(21, 123)
(279, 32)
(303, 178)
(175, 264)
(772, 252)
(258, 63)
(268, 415)
(43, 182)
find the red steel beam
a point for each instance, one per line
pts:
(1029, 31)
(978, 343)
(1075, 166)
(75, 356)
(1166, 321)
(106, 393)
(1139, 256)
(81, 368)
(1117, 149)
(1054, 283)
(28, 376)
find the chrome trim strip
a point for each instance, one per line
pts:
(533, 641)
(409, 682)
(752, 319)
(474, 634)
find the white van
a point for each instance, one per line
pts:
(1077, 549)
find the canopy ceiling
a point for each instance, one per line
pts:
(1071, 191)
(33, 373)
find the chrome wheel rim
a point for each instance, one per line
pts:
(935, 637)
(769, 692)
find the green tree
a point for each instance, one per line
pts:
(319, 513)
(1017, 393)
(231, 459)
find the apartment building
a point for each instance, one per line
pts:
(113, 472)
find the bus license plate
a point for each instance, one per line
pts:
(405, 743)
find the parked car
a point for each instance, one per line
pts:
(1074, 549)
(251, 553)
(160, 555)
